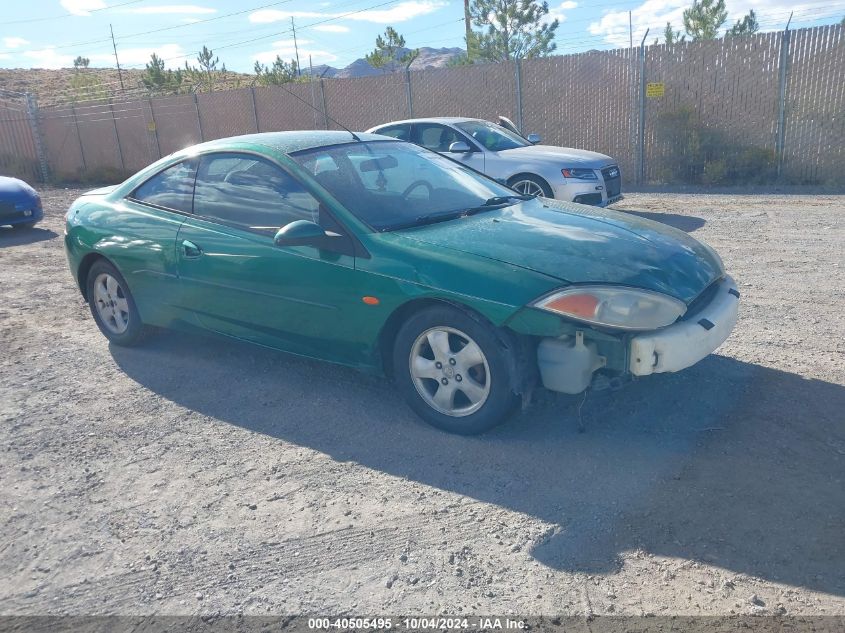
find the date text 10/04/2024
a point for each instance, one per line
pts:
(414, 624)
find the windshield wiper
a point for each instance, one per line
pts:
(422, 220)
(491, 203)
(497, 202)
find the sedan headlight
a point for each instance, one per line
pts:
(616, 307)
(579, 173)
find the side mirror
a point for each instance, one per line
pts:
(459, 147)
(534, 138)
(299, 233)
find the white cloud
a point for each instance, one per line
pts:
(331, 28)
(82, 7)
(653, 15)
(557, 13)
(141, 55)
(14, 42)
(47, 58)
(265, 16)
(286, 50)
(173, 8)
(402, 12)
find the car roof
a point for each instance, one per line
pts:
(434, 119)
(288, 142)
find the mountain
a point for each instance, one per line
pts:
(427, 58)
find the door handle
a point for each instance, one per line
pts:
(190, 249)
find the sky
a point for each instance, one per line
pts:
(51, 33)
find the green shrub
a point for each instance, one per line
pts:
(694, 153)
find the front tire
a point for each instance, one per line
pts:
(531, 185)
(454, 371)
(112, 305)
(24, 225)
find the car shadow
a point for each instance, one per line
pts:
(10, 236)
(729, 463)
(688, 223)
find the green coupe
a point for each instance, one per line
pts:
(371, 252)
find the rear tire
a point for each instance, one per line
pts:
(454, 371)
(112, 305)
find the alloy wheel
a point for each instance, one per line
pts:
(111, 303)
(450, 371)
(529, 188)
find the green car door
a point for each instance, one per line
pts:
(238, 282)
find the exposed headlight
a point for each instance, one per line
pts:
(579, 173)
(616, 307)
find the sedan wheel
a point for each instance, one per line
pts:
(112, 305)
(450, 371)
(110, 301)
(530, 186)
(455, 370)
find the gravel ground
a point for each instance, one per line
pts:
(194, 475)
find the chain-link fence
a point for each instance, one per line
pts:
(744, 110)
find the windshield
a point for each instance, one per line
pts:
(392, 184)
(493, 137)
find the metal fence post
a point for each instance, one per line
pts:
(781, 127)
(254, 108)
(410, 94)
(323, 98)
(79, 138)
(518, 78)
(117, 138)
(641, 146)
(32, 118)
(199, 118)
(152, 127)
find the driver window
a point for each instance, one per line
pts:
(250, 193)
(436, 137)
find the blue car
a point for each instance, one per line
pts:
(20, 204)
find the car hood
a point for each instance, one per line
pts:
(565, 156)
(580, 244)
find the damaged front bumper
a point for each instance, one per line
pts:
(568, 363)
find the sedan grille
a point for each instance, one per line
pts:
(612, 180)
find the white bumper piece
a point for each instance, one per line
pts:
(683, 344)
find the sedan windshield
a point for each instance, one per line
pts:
(392, 184)
(493, 137)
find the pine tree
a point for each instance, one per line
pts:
(158, 80)
(389, 52)
(278, 73)
(671, 36)
(512, 29)
(704, 18)
(745, 26)
(206, 76)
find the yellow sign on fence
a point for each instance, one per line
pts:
(151, 126)
(655, 89)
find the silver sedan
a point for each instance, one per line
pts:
(544, 170)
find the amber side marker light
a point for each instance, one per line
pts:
(577, 305)
(370, 301)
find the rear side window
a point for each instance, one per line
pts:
(402, 132)
(172, 188)
(250, 193)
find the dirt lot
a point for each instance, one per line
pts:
(200, 476)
